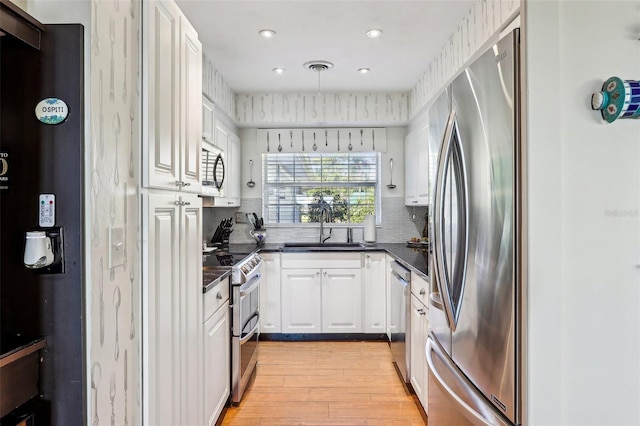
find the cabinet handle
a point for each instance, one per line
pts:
(178, 183)
(219, 296)
(186, 184)
(186, 203)
(177, 203)
(423, 291)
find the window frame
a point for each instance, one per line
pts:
(377, 189)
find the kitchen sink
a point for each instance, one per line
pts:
(322, 246)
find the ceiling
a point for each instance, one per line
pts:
(334, 31)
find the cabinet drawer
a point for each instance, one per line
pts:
(215, 298)
(420, 288)
(322, 260)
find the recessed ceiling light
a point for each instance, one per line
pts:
(267, 33)
(374, 33)
(278, 70)
(363, 70)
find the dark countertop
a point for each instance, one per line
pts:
(211, 277)
(416, 259)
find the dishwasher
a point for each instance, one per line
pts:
(400, 318)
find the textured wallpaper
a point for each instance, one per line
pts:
(480, 24)
(114, 375)
(262, 109)
(216, 88)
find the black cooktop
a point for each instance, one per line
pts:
(224, 257)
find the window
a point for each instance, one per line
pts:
(296, 186)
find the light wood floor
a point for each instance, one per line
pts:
(325, 383)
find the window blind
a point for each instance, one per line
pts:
(295, 184)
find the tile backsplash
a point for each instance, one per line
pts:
(396, 224)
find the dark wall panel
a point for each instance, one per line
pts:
(45, 159)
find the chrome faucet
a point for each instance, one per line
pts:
(325, 216)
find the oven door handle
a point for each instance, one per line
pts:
(253, 330)
(247, 288)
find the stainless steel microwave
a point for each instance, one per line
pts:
(213, 170)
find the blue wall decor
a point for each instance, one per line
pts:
(617, 99)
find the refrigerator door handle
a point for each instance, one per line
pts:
(440, 267)
(435, 300)
(477, 411)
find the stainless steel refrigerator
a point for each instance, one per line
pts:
(473, 350)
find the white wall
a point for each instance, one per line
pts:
(584, 251)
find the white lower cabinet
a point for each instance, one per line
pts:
(321, 292)
(419, 334)
(374, 284)
(341, 301)
(172, 309)
(270, 315)
(389, 279)
(217, 369)
(301, 301)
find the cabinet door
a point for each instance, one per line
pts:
(161, 310)
(416, 157)
(270, 294)
(207, 120)
(301, 301)
(191, 107)
(425, 367)
(418, 358)
(390, 278)
(410, 170)
(191, 309)
(233, 171)
(161, 94)
(375, 293)
(216, 368)
(341, 301)
(221, 141)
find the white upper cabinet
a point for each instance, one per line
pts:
(416, 172)
(228, 144)
(234, 175)
(172, 90)
(208, 118)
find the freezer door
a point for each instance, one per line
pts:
(453, 400)
(484, 338)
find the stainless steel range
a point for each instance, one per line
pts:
(246, 274)
(245, 322)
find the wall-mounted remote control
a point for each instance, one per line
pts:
(47, 209)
